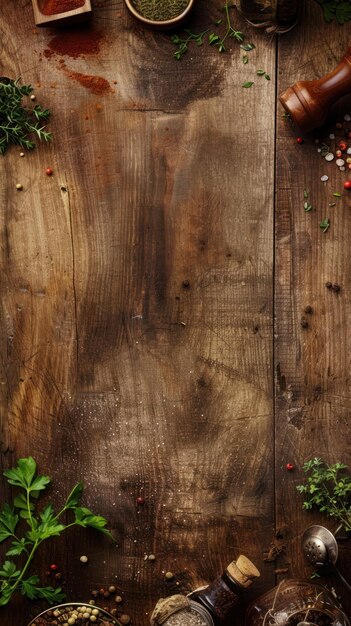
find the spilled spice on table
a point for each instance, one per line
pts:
(52, 7)
(96, 84)
(75, 43)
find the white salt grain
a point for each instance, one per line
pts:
(185, 618)
(340, 162)
(329, 156)
(324, 178)
(347, 117)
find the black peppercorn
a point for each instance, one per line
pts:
(329, 285)
(304, 322)
(308, 309)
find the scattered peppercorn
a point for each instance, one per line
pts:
(84, 559)
(32, 96)
(300, 140)
(112, 589)
(169, 575)
(289, 467)
(94, 593)
(21, 154)
(19, 186)
(347, 184)
(101, 591)
(54, 567)
(336, 287)
(152, 557)
(329, 285)
(58, 576)
(118, 599)
(48, 171)
(124, 619)
(308, 309)
(106, 594)
(186, 284)
(342, 146)
(140, 500)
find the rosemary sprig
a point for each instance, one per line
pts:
(18, 124)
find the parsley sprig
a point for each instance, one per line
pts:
(328, 489)
(42, 525)
(20, 124)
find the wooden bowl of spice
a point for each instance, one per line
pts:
(75, 613)
(53, 12)
(160, 14)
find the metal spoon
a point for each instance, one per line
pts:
(320, 548)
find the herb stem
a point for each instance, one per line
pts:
(26, 565)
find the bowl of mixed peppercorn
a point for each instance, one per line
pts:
(74, 613)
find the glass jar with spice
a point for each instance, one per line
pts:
(222, 596)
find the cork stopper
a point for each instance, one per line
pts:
(243, 571)
(167, 606)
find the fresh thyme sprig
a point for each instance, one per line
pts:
(214, 38)
(18, 124)
(328, 489)
(42, 525)
(182, 43)
(230, 32)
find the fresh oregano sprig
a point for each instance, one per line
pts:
(19, 124)
(42, 524)
(183, 42)
(327, 489)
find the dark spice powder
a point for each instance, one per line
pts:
(75, 43)
(96, 84)
(52, 7)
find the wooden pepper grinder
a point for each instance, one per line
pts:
(308, 102)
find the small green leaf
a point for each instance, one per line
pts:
(267, 77)
(8, 570)
(260, 72)
(247, 85)
(337, 194)
(17, 547)
(247, 47)
(245, 59)
(212, 38)
(75, 496)
(305, 193)
(324, 225)
(217, 22)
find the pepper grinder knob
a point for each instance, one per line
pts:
(308, 101)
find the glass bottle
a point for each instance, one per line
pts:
(222, 596)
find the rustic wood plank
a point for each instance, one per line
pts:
(312, 364)
(143, 269)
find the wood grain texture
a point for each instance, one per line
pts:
(312, 364)
(137, 302)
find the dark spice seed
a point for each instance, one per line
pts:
(304, 322)
(186, 284)
(308, 309)
(329, 285)
(336, 287)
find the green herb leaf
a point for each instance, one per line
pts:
(337, 194)
(8, 522)
(212, 38)
(247, 85)
(245, 59)
(17, 547)
(84, 517)
(217, 22)
(324, 225)
(8, 570)
(247, 47)
(260, 72)
(29, 587)
(75, 496)
(267, 77)
(305, 193)
(51, 595)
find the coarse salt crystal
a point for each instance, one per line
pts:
(348, 150)
(331, 136)
(319, 149)
(340, 162)
(347, 117)
(324, 178)
(329, 156)
(342, 168)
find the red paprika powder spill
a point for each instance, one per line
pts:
(52, 7)
(75, 43)
(96, 84)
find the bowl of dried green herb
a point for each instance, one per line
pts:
(160, 14)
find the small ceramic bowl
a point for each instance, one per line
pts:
(160, 24)
(103, 619)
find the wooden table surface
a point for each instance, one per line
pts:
(152, 294)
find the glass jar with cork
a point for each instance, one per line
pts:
(211, 605)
